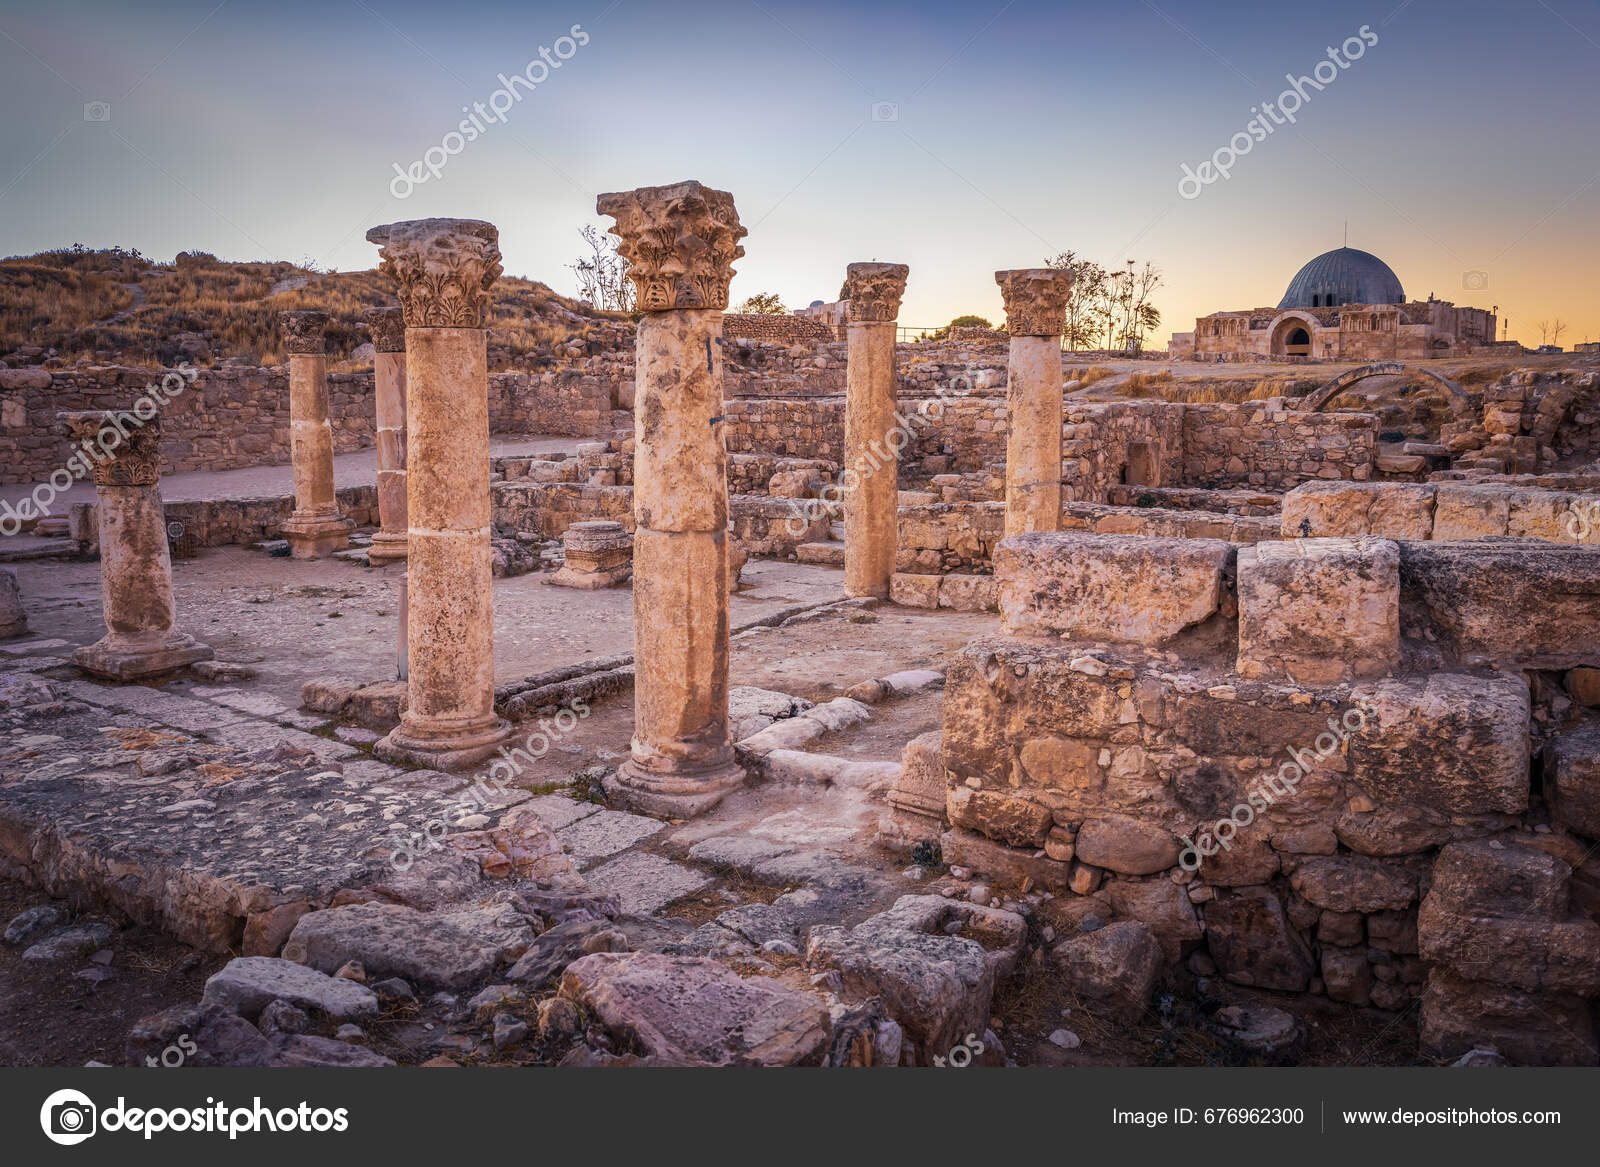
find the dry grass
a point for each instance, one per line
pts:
(115, 307)
(1211, 391)
(1088, 376)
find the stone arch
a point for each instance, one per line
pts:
(1284, 326)
(1456, 395)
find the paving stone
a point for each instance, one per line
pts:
(643, 882)
(606, 833)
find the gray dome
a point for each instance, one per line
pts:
(1343, 276)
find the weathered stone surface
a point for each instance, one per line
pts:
(1319, 611)
(1393, 510)
(1113, 969)
(1127, 846)
(693, 1011)
(1346, 975)
(1524, 604)
(1350, 883)
(1531, 1029)
(935, 984)
(1161, 905)
(1259, 1029)
(450, 949)
(1572, 780)
(27, 926)
(1013, 821)
(1473, 731)
(13, 620)
(248, 984)
(1253, 943)
(962, 848)
(1126, 588)
(1500, 913)
(551, 952)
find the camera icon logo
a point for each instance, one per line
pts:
(68, 1117)
(1475, 281)
(885, 111)
(97, 111)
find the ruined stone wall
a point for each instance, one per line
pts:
(1248, 444)
(783, 329)
(243, 521)
(1442, 510)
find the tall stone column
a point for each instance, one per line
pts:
(388, 329)
(135, 565)
(443, 269)
(680, 243)
(1036, 308)
(871, 466)
(316, 528)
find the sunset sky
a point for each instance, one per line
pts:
(957, 138)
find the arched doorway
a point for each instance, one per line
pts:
(1291, 336)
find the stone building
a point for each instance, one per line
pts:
(1343, 305)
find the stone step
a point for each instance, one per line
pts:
(831, 554)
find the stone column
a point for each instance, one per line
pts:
(1036, 308)
(135, 565)
(388, 329)
(316, 528)
(680, 242)
(443, 269)
(871, 475)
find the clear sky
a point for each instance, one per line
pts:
(958, 138)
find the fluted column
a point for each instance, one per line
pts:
(1036, 308)
(443, 269)
(388, 329)
(316, 528)
(135, 564)
(871, 477)
(680, 242)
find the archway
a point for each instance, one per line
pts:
(1291, 336)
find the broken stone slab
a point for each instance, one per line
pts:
(450, 949)
(795, 733)
(799, 768)
(964, 848)
(644, 883)
(789, 918)
(1318, 611)
(751, 709)
(247, 984)
(917, 799)
(693, 1011)
(1113, 969)
(1502, 913)
(1116, 588)
(599, 835)
(936, 984)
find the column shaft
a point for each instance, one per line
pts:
(871, 475)
(1033, 435)
(389, 393)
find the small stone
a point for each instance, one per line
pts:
(559, 1018)
(961, 873)
(979, 894)
(1477, 1059)
(33, 923)
(352, 970)
(394, 989)
(780, 947)
(493, 995)
(508, 1030)
(1091, 923)
(282, 1017)
(350, 1032)
(1066, 1039)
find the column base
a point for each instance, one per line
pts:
(443, 749)
(130, 661)
(679, 794)
(316, 536)
(386, 548)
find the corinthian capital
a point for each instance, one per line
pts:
(1036, 300)
(874, 290)
(123, 448)
(388, 329)
(443, 269)
(303, 331)
(680, 242)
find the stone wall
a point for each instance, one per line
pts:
(1249, 444)
(1443, 510)
(785, 329)
(243, 521)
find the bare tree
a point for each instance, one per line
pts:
(1088, 287)
(1557, 327)
(603, 274)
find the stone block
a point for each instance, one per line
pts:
(1531, 1029)
(913, 591)
(1318, 611)
(1572, 780)
(1123, 588)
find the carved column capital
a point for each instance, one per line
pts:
(443, 269)
(874, 290)
(122, 450)
(388, 329)
(1036, 300)
(303, 332)
(680, 242)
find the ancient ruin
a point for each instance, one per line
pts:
(914, 702)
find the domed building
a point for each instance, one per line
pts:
(1343, 305)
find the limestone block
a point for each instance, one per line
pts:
(1013, 821)
(1470, 512)
(1253, 943)
(1531, 1029)
(1572, 780)
(1521, 605)
(914, 591)
(1126, 845)
(1472, 731)
(1112, 970)
(1319, 610)
(1109, 587)
(967, 593)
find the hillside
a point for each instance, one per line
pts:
(77, 306)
